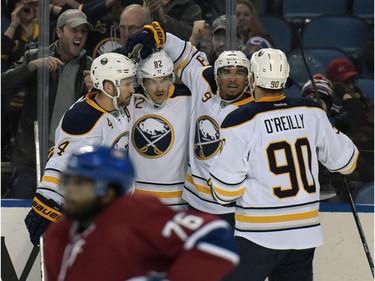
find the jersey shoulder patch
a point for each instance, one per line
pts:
(240, 115)
(80, 119)
(209, 75)
(180, 90)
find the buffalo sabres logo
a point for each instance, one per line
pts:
(121, 143)
(105, 46)
(207, 138)
(152, 136)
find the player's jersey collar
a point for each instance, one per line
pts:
(91, 102)
(244, 101)
(271, 98)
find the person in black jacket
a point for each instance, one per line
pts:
(66, 61)
(355, 113)
(349, 119)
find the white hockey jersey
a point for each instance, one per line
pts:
(158, 146)
(269, 165)
(85, 123)
(207, 113)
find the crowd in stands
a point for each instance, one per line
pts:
(110, 23)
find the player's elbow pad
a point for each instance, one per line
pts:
(218, 242)
(225, 194)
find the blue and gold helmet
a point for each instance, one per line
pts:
(105, 166)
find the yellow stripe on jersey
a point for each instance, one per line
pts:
(184, 62)
(351, 168)
(227, 193)
(244, 101)
(91, 102)
(160, 194)
(278, 218)
(50, 179)
(200, 188)
(271, 98)
(171, 90)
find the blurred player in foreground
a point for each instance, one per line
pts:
(269, 167)
(108, 234)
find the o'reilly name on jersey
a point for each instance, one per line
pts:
(284, 123)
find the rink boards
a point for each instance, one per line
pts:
(342, 257)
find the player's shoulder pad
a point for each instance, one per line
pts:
(240, 115)
(80, 119)
(248, 111)
(209, 76)
(180, 90)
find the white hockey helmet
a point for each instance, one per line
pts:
(112, 67)
(270, 68)
(158, 64)
(231, 58)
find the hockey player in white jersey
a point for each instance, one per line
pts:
(216, 91)
(98, 119)
(269, 167)
(159, 134)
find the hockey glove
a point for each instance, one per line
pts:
(43, 212)
(153, 36)
(340, 90)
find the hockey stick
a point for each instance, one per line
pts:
(359, 227)
(308, 69)
(354, 211)
(38, 177)
(201, 152)
(42, 268)
(37, 150)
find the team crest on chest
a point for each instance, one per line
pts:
(152, 136)
(207, 138)
(121, 142)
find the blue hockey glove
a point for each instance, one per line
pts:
(43, 212)
(153, 36)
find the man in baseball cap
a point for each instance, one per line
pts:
(348, 101)
(343, 76)
(220, 23)
(73, 18)
(355, 116)
(66, 62)
(341, 70)
(218, 36)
